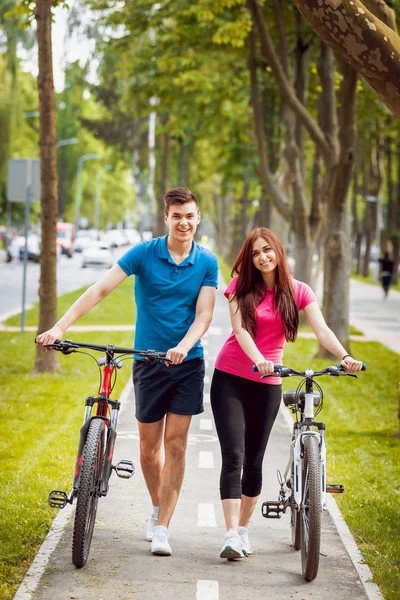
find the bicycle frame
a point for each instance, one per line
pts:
(103, 401)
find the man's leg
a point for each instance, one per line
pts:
(151, 435)
(175, 440)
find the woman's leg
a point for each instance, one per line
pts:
(228, 416)
(260, 410)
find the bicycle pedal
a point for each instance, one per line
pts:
(271, 510)
(57, 499)
(125, 469)
(335, 488)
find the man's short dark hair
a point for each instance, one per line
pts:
(179, 195)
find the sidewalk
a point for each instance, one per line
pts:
(121, 566)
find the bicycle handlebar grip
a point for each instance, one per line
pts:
(277, 368)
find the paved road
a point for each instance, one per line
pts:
(70, 276)
(377, 318)
(121, 566)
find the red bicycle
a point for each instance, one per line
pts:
(97, 441)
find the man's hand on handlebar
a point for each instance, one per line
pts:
(176, 355)
(49, 337)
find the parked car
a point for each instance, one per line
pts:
(15, 250)
(66, 238)
(82, 242)
(115, 237)
(133, 236)
(98, 254)
(33, 248)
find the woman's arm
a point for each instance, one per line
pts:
(328, 339)
(246, 342)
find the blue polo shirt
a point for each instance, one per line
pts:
(166, 293)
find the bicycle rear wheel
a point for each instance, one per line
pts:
(87, 498)
(294, 518)
(310, 512)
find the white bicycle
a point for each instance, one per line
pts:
(303, 487)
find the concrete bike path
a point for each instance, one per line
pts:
(121, 566)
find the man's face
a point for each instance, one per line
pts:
(182, 221)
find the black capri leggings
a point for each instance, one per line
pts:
(244, 413)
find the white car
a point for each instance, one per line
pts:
(133, 236)
(98, 254)
(115, 237)
(82, 242)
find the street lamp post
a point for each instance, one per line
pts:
(61, 144)
(79, 186)
(98, 196)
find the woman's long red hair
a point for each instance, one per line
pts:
(250, 287)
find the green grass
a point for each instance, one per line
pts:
(39, 442)
(362, 452)
(117, 309)
(361, 417)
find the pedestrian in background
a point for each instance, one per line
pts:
(264, 302)
(386, 266)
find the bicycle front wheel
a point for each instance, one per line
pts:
(310, 511)
(88, 493)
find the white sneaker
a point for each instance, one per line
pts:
(151, 526)
(232, 548)
(159, 544)
(244, 538)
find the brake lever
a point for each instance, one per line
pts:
(349, 375)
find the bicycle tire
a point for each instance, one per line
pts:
(294, 518)
(310, 511)
(87, 497)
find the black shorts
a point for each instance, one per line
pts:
(160, 389)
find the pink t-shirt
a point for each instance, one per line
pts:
(270, 337)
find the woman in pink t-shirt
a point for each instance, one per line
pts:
(264, 305)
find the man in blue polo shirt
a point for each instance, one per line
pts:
(175, 288)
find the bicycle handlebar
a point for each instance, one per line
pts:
(334, 370)
(68, 346)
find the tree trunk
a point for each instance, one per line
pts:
(47, 361)
(362, 39)
(337, 245)
(269, 187)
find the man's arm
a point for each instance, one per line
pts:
(204, 312)
(93, 295)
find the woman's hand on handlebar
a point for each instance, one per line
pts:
(265, 367)
(50, 336)
(351, 365)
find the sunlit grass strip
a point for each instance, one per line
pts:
(117, 309)
(363, 454)
(41, 417)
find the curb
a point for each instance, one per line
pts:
(371, 589)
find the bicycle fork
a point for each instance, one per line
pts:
(297, 457)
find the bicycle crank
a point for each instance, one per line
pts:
(124, 469)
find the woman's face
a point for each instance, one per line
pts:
(264, 258)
